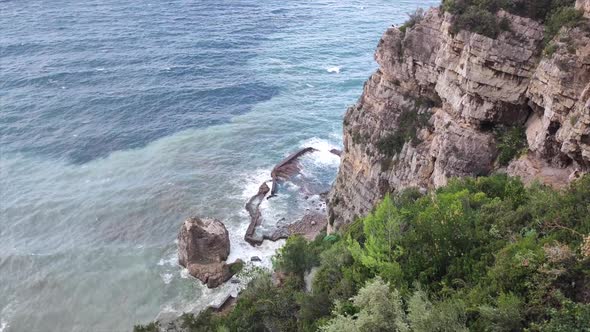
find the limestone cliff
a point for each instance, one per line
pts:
(432, 109)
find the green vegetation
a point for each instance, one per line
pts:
(409, 124)
(550, 49)
(562, 17)
(236, 267)
(511, 143)
(413, 19)
(484, 254)
(479, 16)
(151, 327)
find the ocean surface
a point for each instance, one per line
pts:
(119, 119)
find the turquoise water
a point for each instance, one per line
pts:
(120, 119)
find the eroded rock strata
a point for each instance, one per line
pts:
(432, 109)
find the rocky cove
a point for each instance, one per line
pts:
(443, 104)
(204, 245)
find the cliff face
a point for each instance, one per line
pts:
(432, 109)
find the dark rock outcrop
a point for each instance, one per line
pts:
(203, 247)
(253, 208)
(287, 168)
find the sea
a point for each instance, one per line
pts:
(120, 119)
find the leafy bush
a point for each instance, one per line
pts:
(562, 17)
(297, 257)
(380, 310)
(414, 18)
(506, 315)
(479, 16)
(570, 317)
(511, 143)
(480, 254)
(446, 316)
(151, 327)
(477, 20)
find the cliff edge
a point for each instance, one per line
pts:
(447, 103)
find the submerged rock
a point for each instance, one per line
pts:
(203, 247)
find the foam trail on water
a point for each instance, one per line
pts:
(167, 277)
(322, 156)
(334, 69)
(271, 211)
(170, 260)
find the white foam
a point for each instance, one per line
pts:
(309, 85)
(334, 69)
(252, 182)
(171, 260)
(168, 309)
(167, 277)
(322, 156)
(3, 325)
(184, 273)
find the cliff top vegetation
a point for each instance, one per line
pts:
(480, 254)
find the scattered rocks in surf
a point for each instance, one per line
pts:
(309, 226)
(203, 247)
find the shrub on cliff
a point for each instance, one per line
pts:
(413, 19)
(511, 143)
(484, 254)
(151, 327)
(479, 16)
(484, 242)
(561, 17)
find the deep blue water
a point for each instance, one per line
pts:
(121, 118)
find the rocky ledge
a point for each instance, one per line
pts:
(203, 248)
(309, 226)
(436, 105)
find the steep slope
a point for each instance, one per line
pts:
(438, 104)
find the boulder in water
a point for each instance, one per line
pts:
(203, 247)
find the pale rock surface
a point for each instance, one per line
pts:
(467, 84)
(584, 5)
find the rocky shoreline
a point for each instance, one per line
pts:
(307, 226)
(458, 92)
(203, 243)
